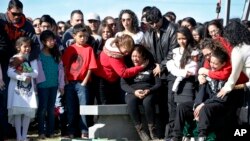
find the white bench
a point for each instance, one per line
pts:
(113, 122)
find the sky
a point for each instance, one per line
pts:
(200, 10)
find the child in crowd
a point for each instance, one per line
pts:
(52, 72)
(177, 68)
(182, 66)
(207, 107)
(190, 67)
(79, 61)
(21, 95)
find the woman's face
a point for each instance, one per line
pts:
(45, 26)
(124, 50)
(136, 58)
(214, 31)
(36, 25)
(126, 21)
(106, 33)
(196, 36)
(207, 53)
(182, 40)
(187, 24)
(215, 64)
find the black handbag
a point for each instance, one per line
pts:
(243, 112)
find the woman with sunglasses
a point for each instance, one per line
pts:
(36, 25)
(128, 24)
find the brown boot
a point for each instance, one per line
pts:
(141, 132)
(153, 131)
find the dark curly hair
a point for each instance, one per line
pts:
(135, 22)
(208, 43)
(236, 33)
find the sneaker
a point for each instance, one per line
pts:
(201, 139)
(186, 138)
(85, 136)
(71, 136)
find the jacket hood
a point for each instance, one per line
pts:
(111, 49)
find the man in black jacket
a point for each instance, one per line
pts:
(13, 25)
(160, 40)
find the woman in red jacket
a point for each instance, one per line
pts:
(112, 67)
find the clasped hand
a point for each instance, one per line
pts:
(141, 93)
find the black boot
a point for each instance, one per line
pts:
(141, 132)
(153, 131)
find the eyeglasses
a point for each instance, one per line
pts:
(61, 27)
(112, 24)
(35, 25)
(128, 19)
(214, 31)
(207, 55)
(153, 22)
(16, 14)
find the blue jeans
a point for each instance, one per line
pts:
(76, 95)
(46, 100)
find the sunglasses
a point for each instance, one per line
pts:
(16, 14)
(128, 19)
(153, 22)
(112, 24)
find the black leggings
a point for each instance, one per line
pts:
(148, 103)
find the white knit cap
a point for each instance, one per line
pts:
(195, 53)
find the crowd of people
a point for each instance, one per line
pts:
(197, 73)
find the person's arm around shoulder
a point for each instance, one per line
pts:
(122, 70)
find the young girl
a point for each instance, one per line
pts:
(21, 95)
(191, 67)
(52, 70)
(176, 67)
(182, 65)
